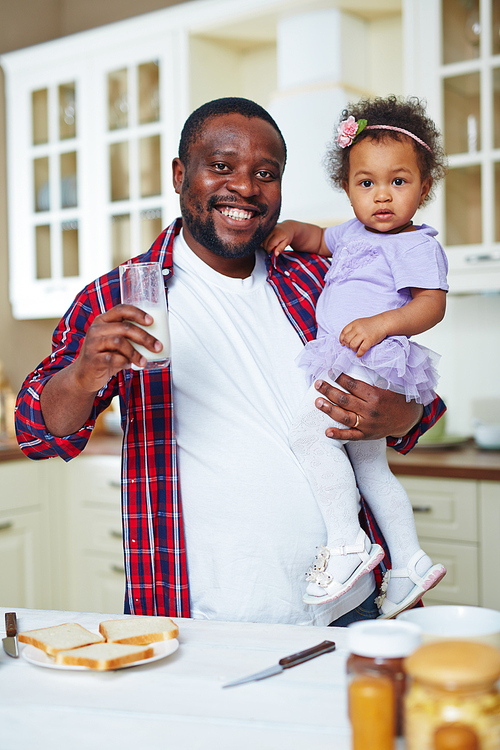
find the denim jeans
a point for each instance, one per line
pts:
(367, 610)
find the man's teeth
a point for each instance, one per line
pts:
(236, 213)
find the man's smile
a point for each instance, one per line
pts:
(239, 214)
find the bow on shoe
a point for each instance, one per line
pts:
(383, 589)
(316, 572)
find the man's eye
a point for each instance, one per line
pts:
(220, 166)
(264, 174)
(399, 181)
(366, 183)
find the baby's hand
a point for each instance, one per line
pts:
(279, 239)
(362, 334)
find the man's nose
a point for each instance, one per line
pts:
(242, 181)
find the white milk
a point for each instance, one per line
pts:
(158, 329)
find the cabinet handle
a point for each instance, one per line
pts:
(113, 483)
(422, 508)
(115, 534)
(118, 569)
(6, 525)
(482, 258)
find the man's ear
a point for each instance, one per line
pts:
(178, 172)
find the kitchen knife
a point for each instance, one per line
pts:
(286, 663)
(10, 641)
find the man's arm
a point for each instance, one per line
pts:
(68, 397)
(381, 413)
(58, 403)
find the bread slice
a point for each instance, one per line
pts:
(139, 630)
(60, 637)
(104, 656)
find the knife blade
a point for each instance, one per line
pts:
(288, 661)
(10, 641)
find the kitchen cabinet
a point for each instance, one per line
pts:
(93, 122)
(96, 575)
(61, 534)
(87, 165)
(489, 498)
(457, 522)
(26, 536)
(452, 53)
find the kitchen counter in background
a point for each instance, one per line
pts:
(462, 462)
(100, 443)
(9, 450)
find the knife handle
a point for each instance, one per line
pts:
(10, 624)
(309, 653)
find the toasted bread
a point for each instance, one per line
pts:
(103, 656)
(139, 630)
(60, 637)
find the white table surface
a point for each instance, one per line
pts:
(179, 702)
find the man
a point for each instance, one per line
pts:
(217, 424)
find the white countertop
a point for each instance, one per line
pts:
(179, 702)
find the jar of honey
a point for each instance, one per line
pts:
(377, 680)
(453, 685)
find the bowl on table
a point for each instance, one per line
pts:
(455, 622)
(487, 436)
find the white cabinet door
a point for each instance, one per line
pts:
(96, 577)
(443, 508)
(25, 577)
(446, 513)
(451, 61)
(25, 580)
(489, 494)
(460, 584)
(99, 586)
(89, 126)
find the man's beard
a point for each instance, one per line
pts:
(203, 231)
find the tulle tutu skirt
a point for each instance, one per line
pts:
(401, 365)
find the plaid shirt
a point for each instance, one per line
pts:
(153, 538)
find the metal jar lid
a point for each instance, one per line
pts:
(388, 639)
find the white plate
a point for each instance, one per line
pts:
(41, 659)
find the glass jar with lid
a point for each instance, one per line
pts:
(375, 666)
(453, 683)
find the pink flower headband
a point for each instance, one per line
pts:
(349, 129)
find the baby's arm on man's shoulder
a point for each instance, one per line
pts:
(302, 237)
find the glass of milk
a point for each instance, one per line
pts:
(141, 285)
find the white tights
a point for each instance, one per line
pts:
(333, 469)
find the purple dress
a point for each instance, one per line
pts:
(370, 274)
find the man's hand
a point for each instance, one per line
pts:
(362, 334)
(108, 348)
(377, 412)
(68, 397)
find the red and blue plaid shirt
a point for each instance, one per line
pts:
(153, 538)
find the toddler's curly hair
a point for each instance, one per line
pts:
(401, 113)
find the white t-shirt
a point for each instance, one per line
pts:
(251, 522)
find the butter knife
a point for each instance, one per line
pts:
(10, 641)
(286, 663)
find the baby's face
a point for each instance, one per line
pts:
(385, 187)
